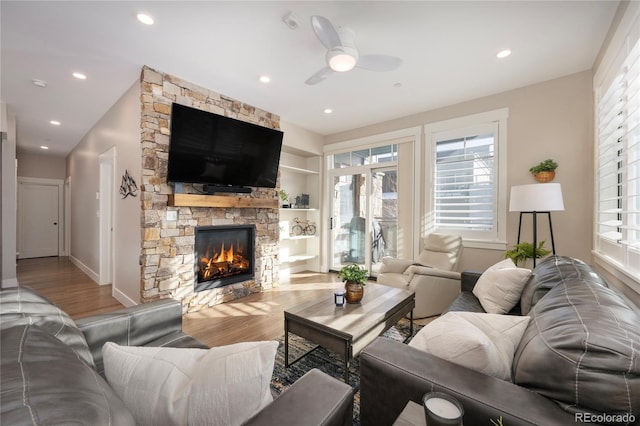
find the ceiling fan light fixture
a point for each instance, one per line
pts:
(341, 61)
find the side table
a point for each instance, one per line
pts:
(412, 415)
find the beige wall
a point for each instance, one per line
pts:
(300, 141)
(552, 119)
(119, 128)
(36, 165)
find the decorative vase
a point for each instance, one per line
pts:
(543, 177)
(354, 292)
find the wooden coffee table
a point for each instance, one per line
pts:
(347, 329)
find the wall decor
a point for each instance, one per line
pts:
(128, 186)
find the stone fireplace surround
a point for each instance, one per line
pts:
(167, 252)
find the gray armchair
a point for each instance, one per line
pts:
(433, 276)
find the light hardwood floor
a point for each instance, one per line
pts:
(256, 317)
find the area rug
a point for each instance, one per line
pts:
(325, 361)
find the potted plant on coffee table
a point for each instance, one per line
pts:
(545, 171)
(355, 278)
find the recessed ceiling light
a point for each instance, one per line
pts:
(44, 147)
(55, 122)
(265, 79)
(39, 83)
(144, 18)
(79, 76)
(503, 53)
(328, 110)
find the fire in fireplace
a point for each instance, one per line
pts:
(224, 255)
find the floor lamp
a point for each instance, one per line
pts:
(534, 199)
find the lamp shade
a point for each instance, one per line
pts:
(537, 197)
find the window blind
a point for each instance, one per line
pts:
(618, 161)
(464, 187)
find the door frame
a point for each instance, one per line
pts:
(61, 218)
(107, 167)
(67, 216)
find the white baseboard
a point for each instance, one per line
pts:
(84, 268)
(10, 282)
(123, 298)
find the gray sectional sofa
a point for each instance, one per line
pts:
(51, 367)
(577, 362)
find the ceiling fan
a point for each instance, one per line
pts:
(342, 54)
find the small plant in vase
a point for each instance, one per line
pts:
(545, 171)
(354, 278)
(284, 197)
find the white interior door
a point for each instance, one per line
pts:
(39, 221)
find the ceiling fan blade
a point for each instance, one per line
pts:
(325, 31)
(321, 75)
(380, 63)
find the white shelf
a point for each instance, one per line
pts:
(297, 210)
(299, 170)
(299, 237)
(298, 258)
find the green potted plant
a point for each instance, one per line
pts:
(284, 197)
(355, 278)
(545, 171)
(523, 251)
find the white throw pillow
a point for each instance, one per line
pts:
(499, 288)
(482, 342)
(222, 386)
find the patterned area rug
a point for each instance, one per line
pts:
(325, 361)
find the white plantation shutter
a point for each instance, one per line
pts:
(466, 169)
(464, 193)
(618, 158)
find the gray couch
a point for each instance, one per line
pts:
(578, 360)
(51, 367)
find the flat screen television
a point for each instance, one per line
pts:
(221, 152)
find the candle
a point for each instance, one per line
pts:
(442, 409)
(338, 298)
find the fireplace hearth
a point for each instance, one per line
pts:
(223, 255)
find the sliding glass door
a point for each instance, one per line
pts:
(363, 216)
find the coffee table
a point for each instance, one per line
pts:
(347, 329)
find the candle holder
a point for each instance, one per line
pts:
(442, 409)
(338, 298)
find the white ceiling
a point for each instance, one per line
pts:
(448, 48)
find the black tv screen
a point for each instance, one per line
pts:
(216, 150)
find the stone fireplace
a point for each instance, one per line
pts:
(224, 255)
(168, 254)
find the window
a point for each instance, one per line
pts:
(463, 172)
(617, 230)
(361, 157)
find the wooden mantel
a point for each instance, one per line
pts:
(198, 200)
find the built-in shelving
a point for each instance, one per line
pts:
(300, 252)
(298, 170)
(298, 258)
(299, 237)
